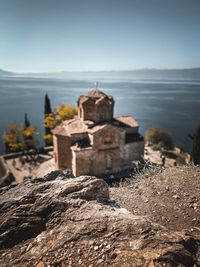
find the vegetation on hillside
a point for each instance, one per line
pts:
(195, 153)
(47, 111)
(26, 121)
(159, 138)
(20, 138)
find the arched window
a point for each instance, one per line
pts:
(108, 139)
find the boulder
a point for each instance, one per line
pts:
(63, 221)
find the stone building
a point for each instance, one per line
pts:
(95, 142)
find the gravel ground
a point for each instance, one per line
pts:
(170, 198)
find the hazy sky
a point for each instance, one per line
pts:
(54, 35)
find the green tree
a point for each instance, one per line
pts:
(48, 138)
(47, 114)
(28, 134)
(47, 105)
(50, 121)
(12, 139)
(65, 112)
(17, 139)
(62, 112)
(195, 153)
(157, 136)
(26, 121)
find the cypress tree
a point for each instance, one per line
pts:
(47, 105)
(26, 121)
(47, 110)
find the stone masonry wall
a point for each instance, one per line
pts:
(96, 112)
(82, 162)
(107, 161)
(133, 151)
(62, 152)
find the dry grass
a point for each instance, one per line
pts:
(169, 196)
(148, 169)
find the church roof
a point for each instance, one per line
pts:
(77, 126)
(96, 93)
(69, 127)
(59, 130)
(99, 127)
(127, 121)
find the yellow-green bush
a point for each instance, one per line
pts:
(159, 138)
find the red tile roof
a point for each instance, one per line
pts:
(128, 120)
(69, 127)
(76, 126)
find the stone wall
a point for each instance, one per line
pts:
(104, 110)
(82, 161)
(62, 152)
(107, 161)
(109, 137)
(78, 136)
(109, 154)
(130, 130)
(89, 162)
(133, 151)
(97, 112)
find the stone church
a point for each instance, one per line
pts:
(94, 142)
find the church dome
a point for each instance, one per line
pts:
(95, 106)
(95, 93)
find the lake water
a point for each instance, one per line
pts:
(172, 105)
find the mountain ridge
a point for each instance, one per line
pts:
(5, 72)
(145, 73)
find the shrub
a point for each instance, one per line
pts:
(19, 139)
(181, 159)
(170, 154)
(157, 136)
(48, 138)
(195, 154)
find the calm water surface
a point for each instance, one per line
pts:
(172, 105)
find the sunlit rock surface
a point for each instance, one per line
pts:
(63, 221)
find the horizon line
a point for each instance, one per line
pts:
(86, 71)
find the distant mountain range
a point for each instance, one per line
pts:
(4, 72)
(140, 74)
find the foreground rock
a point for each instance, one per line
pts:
(62, 221)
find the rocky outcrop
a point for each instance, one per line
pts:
(63, 221)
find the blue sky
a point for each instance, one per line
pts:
(73, 35)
